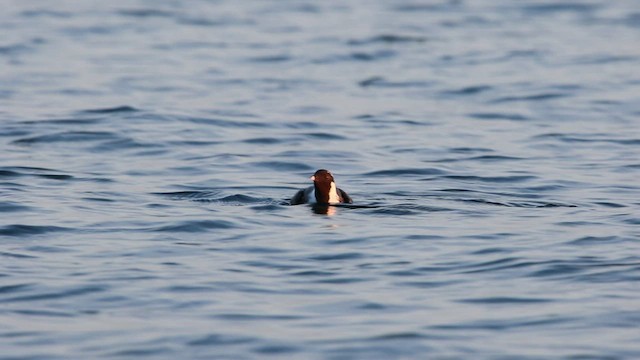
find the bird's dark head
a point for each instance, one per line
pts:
(325, 187)
(322, 176)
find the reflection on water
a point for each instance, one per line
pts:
(323, 209)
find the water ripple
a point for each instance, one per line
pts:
(500, 300)
(67, 137)
(525, 98)
(70, 292)
(469, 90)
(113, 110)
(498, 116)
(10, 206)
(216, 196)
(506, 324)
(379, 81)
(491, 179)
(24, 230)
(221, 340)
(14, 288)
(195, 226)
(403, 172)
(389, 39)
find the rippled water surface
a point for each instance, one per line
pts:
(148, 150)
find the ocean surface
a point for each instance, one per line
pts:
(148, 150)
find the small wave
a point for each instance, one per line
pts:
(372, 56)
(389, 39)
(16, 255)
(142, 351)
(595, 240)
(46, 13)
(379, 81)
(283, 166)
(195, 226)
(181, 289)
(500, 300)
(264, 141)
(525, 98)
(145, 13)
(341, 280)
(112, 110)
(309, 110)
(550, 8)
(279, 58)
(7, 289)
(518, 204)
(276, 349)
(241, 199)
(312, 273)
(227, 123)
(256, 317)
(505, 263)
(306, 125)
(19, 171)
(190, 195)
(481, 158)
(395, 211)
(213, 196)
(9, 173)
(360, 56)
(14, 49)
(528, 193)
(494, 158)
(506, 324)
(427, 284)
(63, 121)
(76, 291)
(469, 90)
(467, 150)
(56, 176)
(220, 340)
(584, 268)
(325, 136)
(576, 138)
(406, 171)
(498, 116)
(11, 206)
(127, 144)
(313, 155)
(234, 113)
(610, 204)
(24, 230)
(338, 256)
(601, 59)
(398, 336)
(47, 313)
(491, 179)
(413, 7)
(209, 22)
(67, 137)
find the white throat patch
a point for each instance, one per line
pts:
(333, 194)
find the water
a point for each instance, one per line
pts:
(148, 149)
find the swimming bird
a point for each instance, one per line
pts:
(323, 192)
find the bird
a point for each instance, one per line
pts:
(323, 192)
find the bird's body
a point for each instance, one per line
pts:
(324, 191)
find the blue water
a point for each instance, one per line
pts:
(148, 149)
